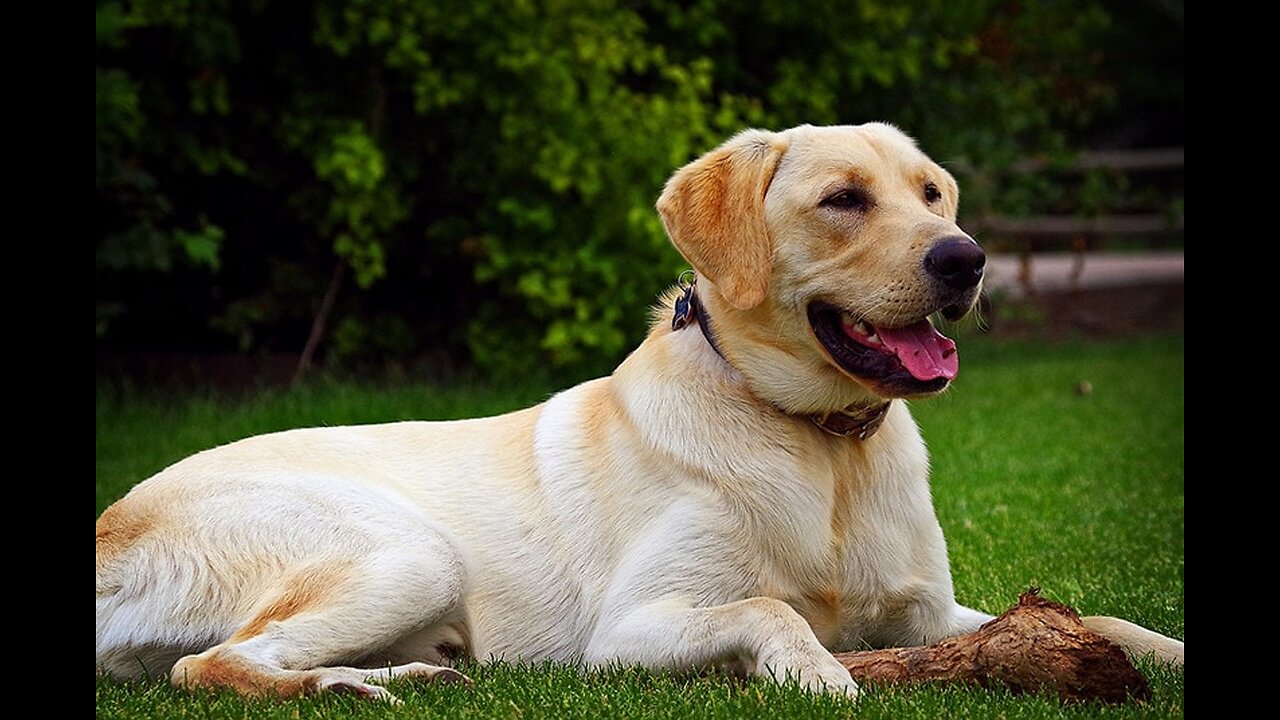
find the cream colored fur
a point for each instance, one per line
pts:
(682, 512)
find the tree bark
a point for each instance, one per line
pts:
(1036, 646)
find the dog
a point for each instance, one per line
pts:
(747, 489)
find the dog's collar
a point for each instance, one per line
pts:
(858, 422)
(861, 423)
(688, 310)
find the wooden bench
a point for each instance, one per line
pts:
(1155, 221)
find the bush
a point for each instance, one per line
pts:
(479, 176)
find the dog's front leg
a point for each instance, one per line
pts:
(1136, 640)
(965, 620)
(769, 637)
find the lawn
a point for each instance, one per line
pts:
(1058, 465)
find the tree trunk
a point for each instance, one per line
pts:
(320, 322)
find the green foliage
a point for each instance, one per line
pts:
(486, 169)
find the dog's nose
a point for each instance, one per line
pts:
(956, 261)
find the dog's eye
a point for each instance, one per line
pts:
(931, 193)
(849, 199)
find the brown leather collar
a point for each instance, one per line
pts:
(861, 423)
(853, 421)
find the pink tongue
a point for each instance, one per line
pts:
(923, 351)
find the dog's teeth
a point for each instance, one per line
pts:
(861, 327)
(868, 332)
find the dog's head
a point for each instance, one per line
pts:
(822, 253)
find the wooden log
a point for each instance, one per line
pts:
(1037, 646)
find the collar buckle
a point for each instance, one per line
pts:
(686, 310)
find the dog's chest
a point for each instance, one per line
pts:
(875, 603)
(868, 565)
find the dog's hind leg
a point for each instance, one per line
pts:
(326, 615)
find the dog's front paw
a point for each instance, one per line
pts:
(833, 677)
(827, 676)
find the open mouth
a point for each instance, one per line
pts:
(913, 359)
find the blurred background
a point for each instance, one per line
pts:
(466, 187)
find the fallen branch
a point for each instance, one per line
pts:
(1038, 645)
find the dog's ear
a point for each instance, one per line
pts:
(713, 210)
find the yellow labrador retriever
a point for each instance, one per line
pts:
(744, 490)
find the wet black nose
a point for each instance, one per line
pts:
(956, 261)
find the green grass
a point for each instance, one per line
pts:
(1036, 482)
